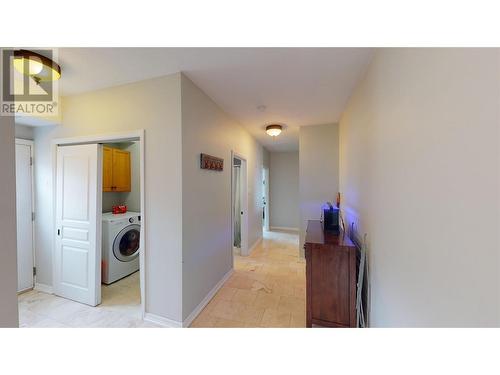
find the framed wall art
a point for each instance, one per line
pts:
(211, 162)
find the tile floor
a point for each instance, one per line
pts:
(120, 307)
(267, 288)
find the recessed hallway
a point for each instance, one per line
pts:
(267, 288)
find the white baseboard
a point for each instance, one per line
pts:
(288, 229)
(255, 244)
(162, 321)
(44, 288)
(187, 322)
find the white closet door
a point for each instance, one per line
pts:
(24, 207)
(77, 257)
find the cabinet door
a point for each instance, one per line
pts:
(121, 170)
(330, 291)
(107, 169)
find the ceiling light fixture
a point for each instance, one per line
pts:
(273, 130)
(38, 67)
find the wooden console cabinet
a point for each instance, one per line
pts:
(331, 271)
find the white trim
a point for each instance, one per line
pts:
(133, 135)
(187, 322)
(255, 244)
(31, 144)
(100, 138)
(160, 320)
(26, 142)
(98, 261)
(142, 241)
(19, 292)
(44, 288)
(288, 229)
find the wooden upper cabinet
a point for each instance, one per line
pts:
(121, 170)
(115, 170)
(107, 168)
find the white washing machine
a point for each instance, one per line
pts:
(120, 245)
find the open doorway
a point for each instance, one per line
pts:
(99, 252)
(121, 226)
(265, 199)
(239, 204)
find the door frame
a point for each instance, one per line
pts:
(244, 203)
(134, 135)
(265, 172)
(27, 142)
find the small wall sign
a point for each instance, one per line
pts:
(211, 162)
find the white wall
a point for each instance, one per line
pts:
(265, 157)
(25, 132)
(8, 253)
(319, 172)
(153, 105)
(420, 175)
(133, 198)
(284, 190)
(206, 198)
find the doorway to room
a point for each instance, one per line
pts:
(239, 204)
(265, 199)
(121, 226)
(98, 238)
(99, 246)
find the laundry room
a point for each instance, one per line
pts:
(98, 235)
(121, 226)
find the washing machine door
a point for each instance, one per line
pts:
(126, 243)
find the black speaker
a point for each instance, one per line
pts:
(330, 218)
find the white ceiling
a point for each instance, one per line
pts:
(298, 86)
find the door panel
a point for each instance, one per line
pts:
(107, 167)
(330, 271)
(78, 234)
(75, 267)
(75, 188)
(24, 206)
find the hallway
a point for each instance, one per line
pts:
(267, 288)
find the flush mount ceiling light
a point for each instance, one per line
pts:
(273, 130)
(38, 67)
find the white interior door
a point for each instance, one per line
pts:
(24, 207)
(77, 255)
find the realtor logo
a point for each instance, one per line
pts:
(29, 82)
